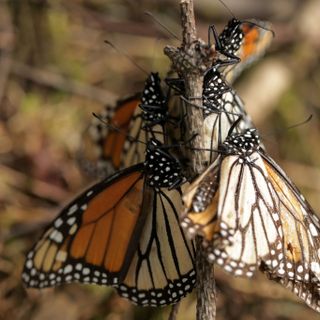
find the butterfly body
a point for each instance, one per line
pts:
(230, 39)
(242, 42)
(165, 170)
(214, 86)
(153, 103)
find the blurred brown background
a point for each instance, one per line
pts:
(55, 70)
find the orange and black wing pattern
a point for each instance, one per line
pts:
(121, 232)
(106, 149)
(93, 237)
(114, 144)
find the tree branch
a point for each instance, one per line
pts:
(190, 61)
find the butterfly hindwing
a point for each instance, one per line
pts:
(162, 268)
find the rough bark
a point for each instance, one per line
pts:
(190, 61)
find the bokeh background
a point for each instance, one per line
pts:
(55, 70)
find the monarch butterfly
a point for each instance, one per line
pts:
(123, 232)
(113, 150)
(253, 217)
(243, 42)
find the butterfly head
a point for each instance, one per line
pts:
(243, 144)
(163, 170)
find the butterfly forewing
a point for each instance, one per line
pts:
(247, 215)
(84, 240)
(299, 269)
(106, 149)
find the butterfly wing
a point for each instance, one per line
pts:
(247, 216)
(200, 205)
(93, 237)
(297, 266)
(113, 150)
(216, 125)
(162, 268)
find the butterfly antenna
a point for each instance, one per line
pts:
(227, 8)
(148, 13)
(109, 125)
(300, 123)
(282, 130)
(184, 144)
(204, 108)
(257, 24)
(126, 55)
(235, 124)
(180, 144)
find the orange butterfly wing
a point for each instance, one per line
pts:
(199, 217)
(105, 150)
(95, 234)
(113, 144)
